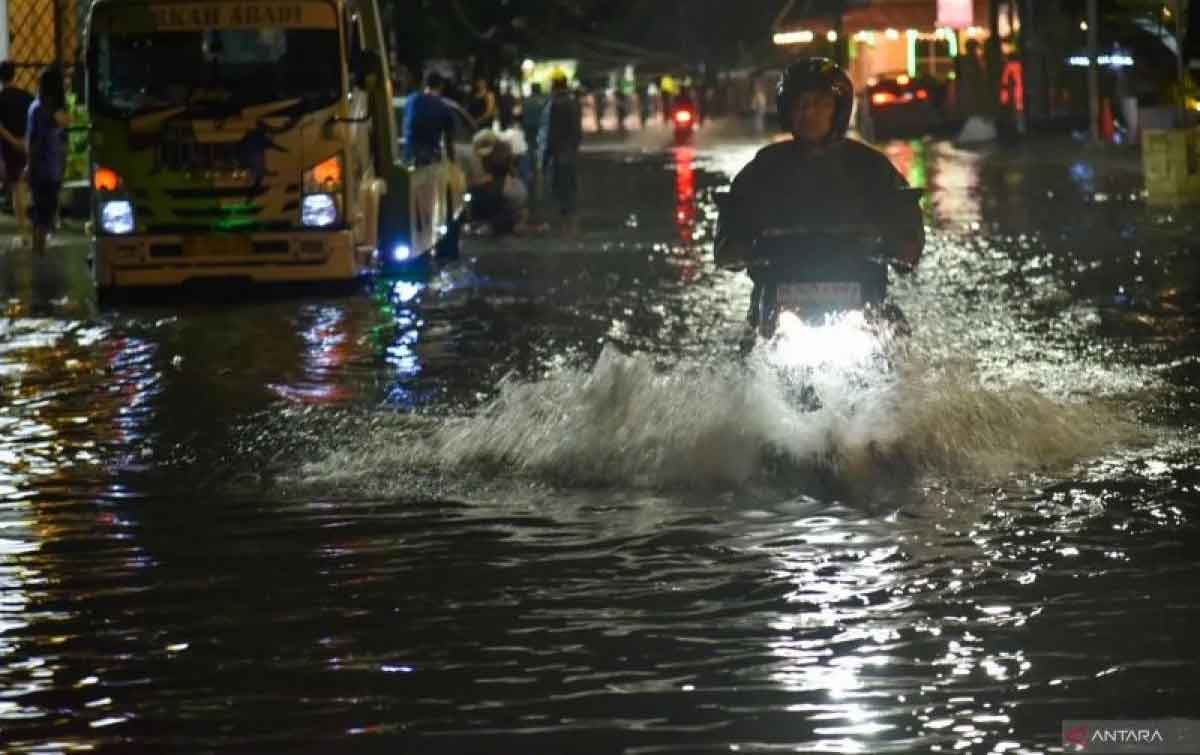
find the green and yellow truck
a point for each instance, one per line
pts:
(253, 140)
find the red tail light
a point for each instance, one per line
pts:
(883, 98)
(922, 94)
(683, 117)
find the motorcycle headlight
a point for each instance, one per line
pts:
(318, 210)
(116, 217)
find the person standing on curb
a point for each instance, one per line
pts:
(45, 140)
(14, 109)
(558, 146)
(531, 121)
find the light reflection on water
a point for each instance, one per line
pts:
(433, 517)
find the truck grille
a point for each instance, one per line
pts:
(192, 156)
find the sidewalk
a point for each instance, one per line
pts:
(69, 235)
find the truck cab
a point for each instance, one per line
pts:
(249, 139)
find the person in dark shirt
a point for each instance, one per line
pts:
(428, 124)
(558, 149)
(45, 140)
(14, 109)
(483, 106)
(819, 179)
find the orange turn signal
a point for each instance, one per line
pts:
(328, 172)
(883, 98)
(105, 179)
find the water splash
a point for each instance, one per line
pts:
(625, 422)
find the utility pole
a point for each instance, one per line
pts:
(1093, 52)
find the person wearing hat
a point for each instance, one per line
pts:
(498, 199)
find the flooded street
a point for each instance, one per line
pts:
(537, 503)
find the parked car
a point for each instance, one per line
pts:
(897, 104)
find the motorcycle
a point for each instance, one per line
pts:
(819, 313)
(683, 118)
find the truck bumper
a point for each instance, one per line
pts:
(171, 260)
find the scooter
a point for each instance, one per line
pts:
(819, 308)
(813, 275)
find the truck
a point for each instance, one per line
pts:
(251, 140)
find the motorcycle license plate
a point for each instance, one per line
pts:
(823, 296)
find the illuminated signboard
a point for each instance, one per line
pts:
(201, 16)
(955, 14)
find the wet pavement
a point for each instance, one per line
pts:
(535, 502)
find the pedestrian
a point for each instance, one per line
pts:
(506, 106)
(45, 143)
(758, 104)
(600, 105)
(971, 97)
(499, 199)
(558, 144)
(14, 110)
(531, 122)
(483, 107)
(622, 107)
(428, 124)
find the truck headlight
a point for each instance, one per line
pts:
(318, 210)
(116, 217)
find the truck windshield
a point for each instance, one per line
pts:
(214, 70)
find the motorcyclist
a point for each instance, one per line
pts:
(819, 179)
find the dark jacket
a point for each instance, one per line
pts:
(562, 130)
(428, 124)
(846, 186)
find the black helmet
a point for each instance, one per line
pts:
(819, 75)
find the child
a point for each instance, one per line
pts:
(45, 141)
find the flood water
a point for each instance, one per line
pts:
(536, 503)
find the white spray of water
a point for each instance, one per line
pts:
(625, 422)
